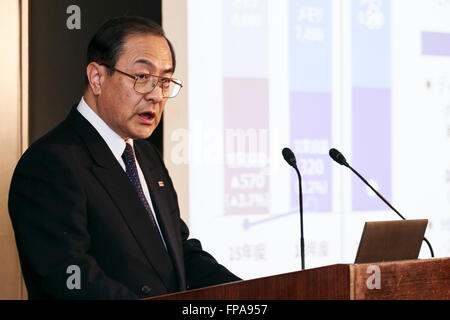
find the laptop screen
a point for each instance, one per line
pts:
(391, 240)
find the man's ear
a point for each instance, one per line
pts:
(95, 74)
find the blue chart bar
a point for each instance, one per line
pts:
(371, 102)
(310, 65)
(436, 44)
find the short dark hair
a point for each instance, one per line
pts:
(107, 44)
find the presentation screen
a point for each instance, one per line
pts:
(370, 78)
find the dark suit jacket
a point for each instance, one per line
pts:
(71, 203)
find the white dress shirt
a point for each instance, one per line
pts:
(117, 146)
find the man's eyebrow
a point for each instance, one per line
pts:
(145, 61)
(150, 64)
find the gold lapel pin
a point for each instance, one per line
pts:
(161, 183)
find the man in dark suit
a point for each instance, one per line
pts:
(93, 208)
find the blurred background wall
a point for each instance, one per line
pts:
(11, 134)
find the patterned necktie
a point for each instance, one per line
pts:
(132, 173)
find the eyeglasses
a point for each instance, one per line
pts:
(145, 83)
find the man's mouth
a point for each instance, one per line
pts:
(147, 117)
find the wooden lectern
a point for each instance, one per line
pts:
(411, 279)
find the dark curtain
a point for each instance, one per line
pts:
(58, 55)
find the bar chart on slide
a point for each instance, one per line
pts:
(368, 77)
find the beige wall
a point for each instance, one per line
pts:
(11, 142)
(176, 113)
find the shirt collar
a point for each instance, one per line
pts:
(115, 142)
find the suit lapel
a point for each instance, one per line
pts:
(158, 188)
(126, 199)
(113, 178)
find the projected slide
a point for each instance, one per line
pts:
(369, 77)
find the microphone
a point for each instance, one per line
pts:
(339, 158)
(289, 156)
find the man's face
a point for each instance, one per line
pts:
(131, 114)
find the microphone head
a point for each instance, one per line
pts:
(289, 156)
(338, 157)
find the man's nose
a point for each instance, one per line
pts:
(156, 95)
